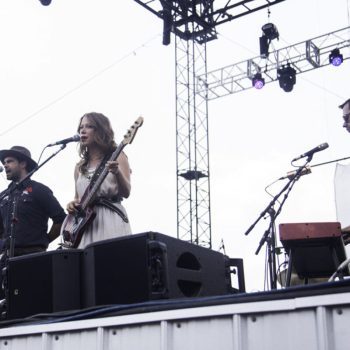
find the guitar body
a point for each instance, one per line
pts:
(74, 226)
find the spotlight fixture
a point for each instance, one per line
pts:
(270, 33)
(335, 58)
(258, 81)
(286, 77)
(45, 2)
(264, 46)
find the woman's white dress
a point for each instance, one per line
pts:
(107, 223)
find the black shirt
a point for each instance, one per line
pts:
(33, 203)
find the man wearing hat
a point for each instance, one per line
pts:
(26, 206)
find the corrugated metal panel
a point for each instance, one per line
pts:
(312, 323)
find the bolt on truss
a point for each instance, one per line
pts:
(303, 57)
(193, 183)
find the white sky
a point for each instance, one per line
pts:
(72, 57)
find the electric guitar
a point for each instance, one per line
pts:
(74, 225)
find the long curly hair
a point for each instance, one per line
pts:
(104, 137)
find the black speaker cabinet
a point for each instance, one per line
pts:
(43, 283)
(149, 266)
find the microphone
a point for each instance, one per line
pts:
(74, 138)
(290, 174)
(319, 148)
(1, 169)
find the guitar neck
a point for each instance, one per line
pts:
(90, 193)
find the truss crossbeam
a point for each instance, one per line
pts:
(205, 14)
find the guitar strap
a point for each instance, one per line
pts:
(99, 170)
(105, 201)
(109, 204)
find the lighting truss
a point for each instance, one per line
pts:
(206, 14)
(303, 57)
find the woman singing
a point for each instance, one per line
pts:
(96, 146)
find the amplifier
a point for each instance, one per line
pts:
(316, 248)
(309, 231)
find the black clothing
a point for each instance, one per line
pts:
(33, 204)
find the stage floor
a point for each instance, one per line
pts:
(313, 317)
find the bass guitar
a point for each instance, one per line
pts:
(75, 224)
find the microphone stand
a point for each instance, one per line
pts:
(269, 235)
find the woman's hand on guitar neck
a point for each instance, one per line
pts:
(113, 167)
(73, 206)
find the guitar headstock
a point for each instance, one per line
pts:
(130, 134)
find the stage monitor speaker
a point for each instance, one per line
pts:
(43, 283)
(150, 266)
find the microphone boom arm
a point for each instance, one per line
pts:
(293, 178)
(269, 235)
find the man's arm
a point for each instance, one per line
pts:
(54, 232)
(52, 208)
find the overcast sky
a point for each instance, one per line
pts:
(72, 57)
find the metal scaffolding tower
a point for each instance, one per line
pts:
(192, 157)
(194, 24)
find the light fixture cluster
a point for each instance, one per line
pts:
(286, 74)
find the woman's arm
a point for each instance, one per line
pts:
(72, 205)
(121, 169)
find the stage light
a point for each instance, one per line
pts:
(335, 58)
(286, 78)
(264, 46)
(258, 81)
(45, 2)
(270, 33)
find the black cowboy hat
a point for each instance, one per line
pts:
(20, 153)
